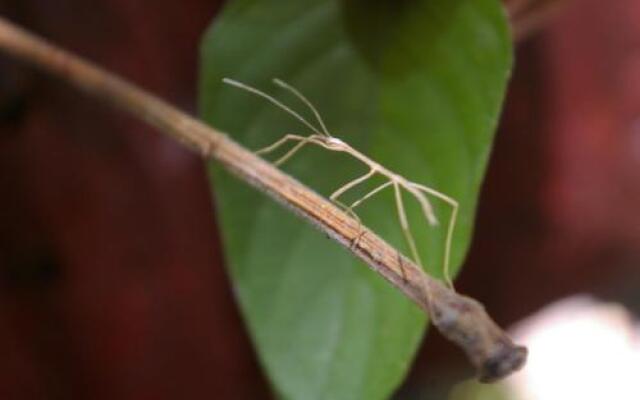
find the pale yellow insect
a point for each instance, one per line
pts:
(323, 138)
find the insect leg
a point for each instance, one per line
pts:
(356, 203)
(355, 216)
(425, 204)
(294, 150)
(371, 193)
(452, 223)
(351, 184)
(349, 209)
(279, 143)
(404, 224)
(301, 139)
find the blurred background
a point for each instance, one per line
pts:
(112, 280)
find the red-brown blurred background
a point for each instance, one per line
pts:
(112, 280)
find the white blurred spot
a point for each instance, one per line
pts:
(579, 348)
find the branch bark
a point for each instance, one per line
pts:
(459, 318)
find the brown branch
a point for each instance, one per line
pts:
(459, 318)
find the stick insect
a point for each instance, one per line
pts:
(323, 138)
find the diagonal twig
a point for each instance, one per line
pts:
(459, 318)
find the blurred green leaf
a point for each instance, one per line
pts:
(474, 390)
(416, 85)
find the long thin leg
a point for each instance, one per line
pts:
(425, 204)
(302, 141)
(349, 209)
(371, 193)
(404, 223)
(294, 150)
(452, 223)
(355, 216)
(279, 143)
(351, 184)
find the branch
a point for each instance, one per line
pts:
(459, 318)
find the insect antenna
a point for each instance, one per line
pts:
(306, 101)
(272, 100)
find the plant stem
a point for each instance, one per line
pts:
(452, 313)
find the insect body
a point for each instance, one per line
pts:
(461, 319)
(321, 137)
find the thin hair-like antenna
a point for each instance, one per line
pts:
(271, 99)
(306, 101)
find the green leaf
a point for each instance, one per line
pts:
(417, 86)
